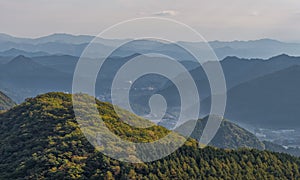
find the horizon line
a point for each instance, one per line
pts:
(93, 36)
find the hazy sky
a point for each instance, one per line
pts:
(214, 19)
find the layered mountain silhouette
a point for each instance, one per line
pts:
(33, 73)
(270, 101)
(24, 77)
(42, 74)
(16, 52)
(254, 85)
(41, 139)
(73, 45)
(261, 93)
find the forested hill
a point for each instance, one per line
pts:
(229, 136)
(40, 139)
(5, 102)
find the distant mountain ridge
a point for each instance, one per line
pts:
(56, 37)
(16, 52)
(236, 71)
(61, 43)
(268, 101)
(23, 77)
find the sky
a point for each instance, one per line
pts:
(224, 20)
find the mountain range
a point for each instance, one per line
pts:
(24, 78)
(262, 92)
(66, 44)
(276, 99)
(268, 101)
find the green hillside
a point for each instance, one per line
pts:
(5, 102)
(40, 139)
(229, 135)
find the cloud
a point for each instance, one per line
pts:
(255, 13)
(165, 13)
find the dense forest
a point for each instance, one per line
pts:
(229, 136)
(40, 139)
